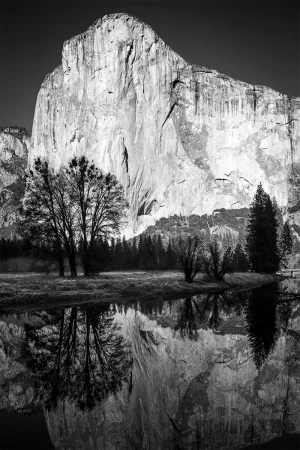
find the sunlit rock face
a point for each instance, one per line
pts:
(16, 386)
(14, 145)
(183, 393)
(182, 139)
(12, 142)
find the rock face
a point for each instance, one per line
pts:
(182, 139)
(14, 142)
(14, 145)
(187, 394)
(16, 386)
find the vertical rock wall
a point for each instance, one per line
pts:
(182, 139)
(14, 146)
(13, 142)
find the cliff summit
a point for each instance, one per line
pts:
(182, 139)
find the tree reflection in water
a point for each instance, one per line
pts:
(267, 312)
(187, 323)
(218, 304)
(261, 322)
(204, 310)
(79, 354)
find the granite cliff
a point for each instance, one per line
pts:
(182, 139)
(14, 146)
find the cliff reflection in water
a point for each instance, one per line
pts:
(267, 313)
(77, 355)
(195, 381)
(215, 371)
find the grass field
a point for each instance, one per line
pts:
(114, 286)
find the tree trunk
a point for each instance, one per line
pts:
(87, 271)
(72, 262)
(188, 278)
(61, 267)
(60, 257)
(86, 263)
(61, 263)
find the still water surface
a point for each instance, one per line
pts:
(214, 371)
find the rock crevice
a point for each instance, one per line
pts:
(120, 84)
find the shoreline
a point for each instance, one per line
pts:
(42, 290)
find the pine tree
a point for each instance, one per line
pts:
(240, 262)
(155, 251)
(161, 254)
(98, 254)
(118, 255)
(285, 244)
(151, 258)
(171, 260)
(112, 253)
(261, 240)
(106, 254)
(126, 254)
(134, 254)
(141, 253)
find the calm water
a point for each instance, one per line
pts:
(214, 371)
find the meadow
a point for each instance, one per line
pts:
(33, 288)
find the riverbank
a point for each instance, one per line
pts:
(18, 289)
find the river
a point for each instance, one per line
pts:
(213, 371)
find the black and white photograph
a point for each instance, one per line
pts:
(149, 224)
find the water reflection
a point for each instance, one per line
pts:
(202, 311)
(267, 311)
(188, 318)
(261, 322)
(193, 371)
(215, 306)
(78, 354)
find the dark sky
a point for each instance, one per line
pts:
(255, 41)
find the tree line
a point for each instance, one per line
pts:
(267, 245)
(145, 252)
(13, 248)
(76, 212)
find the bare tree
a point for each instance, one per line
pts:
(42, 216)
(190, 254)
(216, 262)
(101, 206)
(77, 204)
